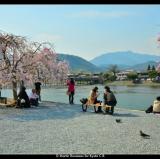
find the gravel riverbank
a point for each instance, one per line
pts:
(58, 128)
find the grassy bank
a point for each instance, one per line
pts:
(130, 83)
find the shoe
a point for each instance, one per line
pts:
(99, 111)
(111, 113)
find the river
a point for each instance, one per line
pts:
(136, 98)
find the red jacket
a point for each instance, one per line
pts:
(71, 87)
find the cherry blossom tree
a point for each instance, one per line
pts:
(158, 68)
(21, 60)
(48, 67)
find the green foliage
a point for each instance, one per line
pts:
(112, 78)
(114, 69)
(149, 67)
(153, 74)
(153, 68)
(78, 64)
(132, 76)
(108, 76)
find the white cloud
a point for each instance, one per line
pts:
(95, 14)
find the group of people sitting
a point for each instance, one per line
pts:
(26, 101)
(108, 99)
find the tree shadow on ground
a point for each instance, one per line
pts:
(116, 113)
(47, 112)
(52, 110)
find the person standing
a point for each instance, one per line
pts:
(109, 99)
(71, 90)
(38, 89)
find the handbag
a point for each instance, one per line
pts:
(68, 92)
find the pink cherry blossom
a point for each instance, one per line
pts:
(28, 61)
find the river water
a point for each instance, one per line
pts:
(136, 98)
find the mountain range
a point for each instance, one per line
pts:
(127, 58)
(78, 64)
(123, 59)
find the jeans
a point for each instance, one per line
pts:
(71, 97)
(38, 91)
(112, 104)
(99, 108)
(34, 101)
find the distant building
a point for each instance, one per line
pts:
(89, 78)
(143, 76)
(123, 75)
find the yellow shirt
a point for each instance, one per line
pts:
(93, 95)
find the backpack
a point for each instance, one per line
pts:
(84, 100)
(114, 99)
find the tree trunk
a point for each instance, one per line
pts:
(21, 84)
(14, 88)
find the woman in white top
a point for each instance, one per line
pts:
(156, 105)
(33, 98)
(155, 108)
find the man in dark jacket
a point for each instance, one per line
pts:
(109, 99)
(23, 99)
(38, 89)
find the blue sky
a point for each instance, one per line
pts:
(86, 30)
